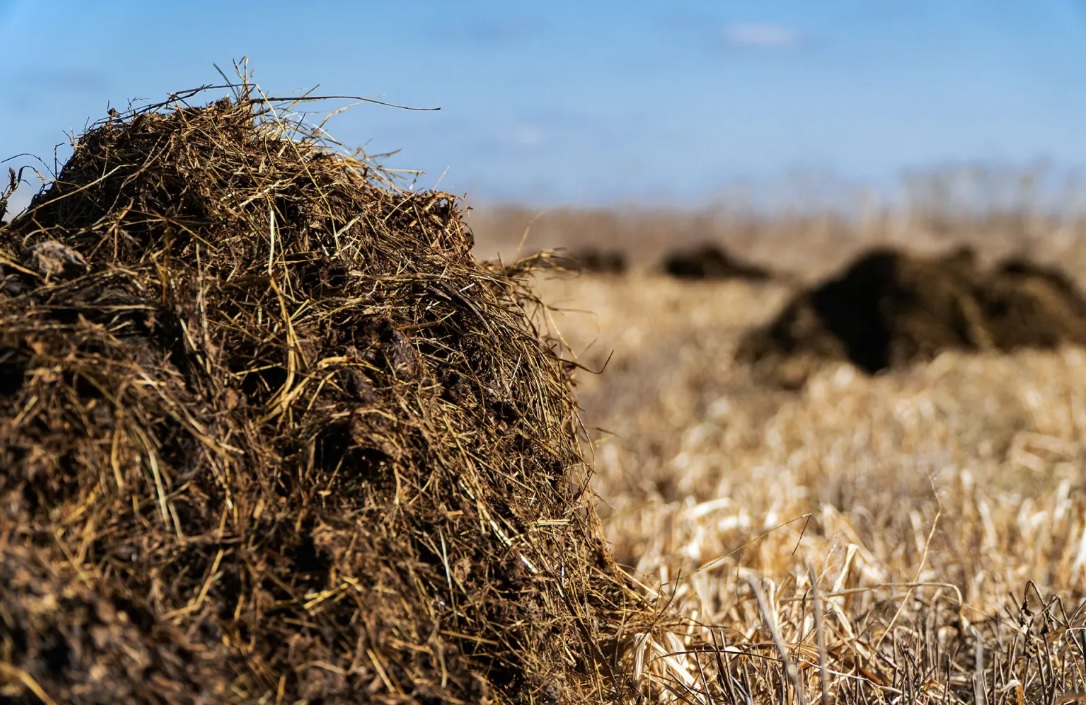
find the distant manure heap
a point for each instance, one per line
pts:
(710, 261)
(270, 433)
(596, 260)
(888, 309)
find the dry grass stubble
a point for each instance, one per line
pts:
(937, 513)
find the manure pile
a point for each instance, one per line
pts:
(596, 260)
(889, 309)
(269, 433)
(710, 261)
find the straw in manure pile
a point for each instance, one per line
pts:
(270, 433)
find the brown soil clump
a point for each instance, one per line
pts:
(889, 309)
(710, 261)
(270, 433)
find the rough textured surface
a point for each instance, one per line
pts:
(269, 432)
(888, 309)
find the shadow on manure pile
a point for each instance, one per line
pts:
(270, 433)
(889, 309)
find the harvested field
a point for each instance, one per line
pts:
(914, 536)
(889, 309)
(270, 433)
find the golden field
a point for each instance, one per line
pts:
(916, 536)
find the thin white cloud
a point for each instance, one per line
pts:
(771, 36)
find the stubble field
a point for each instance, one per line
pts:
(916, 536)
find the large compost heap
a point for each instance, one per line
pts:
(888, 309)
(270, 433)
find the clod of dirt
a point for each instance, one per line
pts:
(710, 261)
(888, 309)
(270, 433)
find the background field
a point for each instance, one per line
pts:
(919, 533)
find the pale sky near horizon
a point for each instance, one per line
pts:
(573, 102)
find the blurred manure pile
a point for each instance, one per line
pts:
(596, 260)
(270, 433)
(710, 261)
(889, 309)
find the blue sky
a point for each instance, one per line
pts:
(591, 102)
